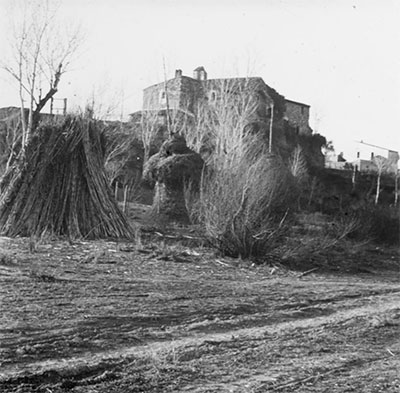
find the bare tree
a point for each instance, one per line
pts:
(198, 130)
(40, 54)
(382, 165)
(233, 110)
(297, 164)
(150, 127)
(221, 121)
(117, 152)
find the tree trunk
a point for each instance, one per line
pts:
(378, 189)
(116, 190)
(353, 178)
(146, 154)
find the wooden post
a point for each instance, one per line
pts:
(270, 128)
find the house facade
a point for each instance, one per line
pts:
(298, 115)
(364, 157)
(186, 94)
(367, 154)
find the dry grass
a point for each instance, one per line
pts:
(315, 234)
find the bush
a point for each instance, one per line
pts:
(380, 224)
(246, 201)
(314, 234)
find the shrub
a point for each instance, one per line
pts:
(246, 201)
(379, 223)
(316, 233)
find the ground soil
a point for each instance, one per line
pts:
(166, 315)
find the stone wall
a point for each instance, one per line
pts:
(182, 93)
(298, 115)
(154, 96)
(191, 92)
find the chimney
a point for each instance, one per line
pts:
(178, 73)
(200, 74)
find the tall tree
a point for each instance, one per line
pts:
(41, 48)
(382, 165)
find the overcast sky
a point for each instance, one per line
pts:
(341, 57)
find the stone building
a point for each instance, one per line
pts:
(184, 94)
(298, 115)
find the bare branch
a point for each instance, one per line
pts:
(40, 53)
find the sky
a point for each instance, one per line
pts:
(341, 57)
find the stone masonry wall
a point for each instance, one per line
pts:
(191, 92)
(298, 115)
(153, 95)
(182, 91)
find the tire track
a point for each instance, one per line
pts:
(380, 304)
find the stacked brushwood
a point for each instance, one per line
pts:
(59, 187)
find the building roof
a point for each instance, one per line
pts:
(297, 103)
(8, 111)
(378, 147)
(161, 84)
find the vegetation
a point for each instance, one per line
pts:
(123, 159)
(61, 188)
(260, 175)
(245, 206)
(40, 53)
(151, 308)
(53, 182)
(380, 224)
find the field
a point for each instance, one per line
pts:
(165, 315)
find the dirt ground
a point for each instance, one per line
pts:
(167, 316)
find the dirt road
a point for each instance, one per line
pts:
(108, 317)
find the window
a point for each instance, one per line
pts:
(212, 96)
(302, 110)
(163, 97)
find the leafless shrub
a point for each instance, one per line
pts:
(245, 202)
(246, 193)
(378, 223)
(298, 164)
(318, 237)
